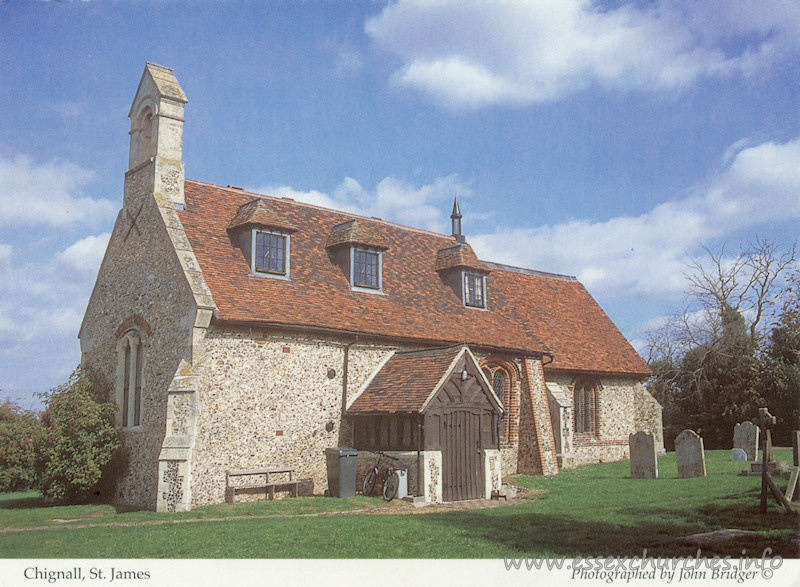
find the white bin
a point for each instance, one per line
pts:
(402, 488)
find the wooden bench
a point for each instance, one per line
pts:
(268, 487)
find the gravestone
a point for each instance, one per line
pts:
(738, 454)
(644, 464)
(689, 455)
(745, 436)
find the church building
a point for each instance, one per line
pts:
(244, 331)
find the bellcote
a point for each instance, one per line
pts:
(156, 117)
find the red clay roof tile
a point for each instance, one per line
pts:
(405, 382)
(527, 312)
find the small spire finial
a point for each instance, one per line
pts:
(455, 217)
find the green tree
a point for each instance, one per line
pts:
(708, 360)
(19, 431)
(780, 369)
(718, 383)
(80, 448)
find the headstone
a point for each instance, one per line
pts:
(644, 464)
(738, 454)
(745, 436)
(689, 455)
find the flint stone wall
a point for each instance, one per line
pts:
(266, 400)
(140, 283)
(648, 416)
(618, 400)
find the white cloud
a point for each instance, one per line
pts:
(47, 193)
(642, 256)
(466, 54)
(645, 255)
(41, 308)
(85, 255)
(392, 199)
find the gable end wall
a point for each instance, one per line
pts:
(140, 279)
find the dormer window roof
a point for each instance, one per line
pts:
(256, 213)
(459, 255)
(354, 233)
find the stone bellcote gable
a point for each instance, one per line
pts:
(156, 134)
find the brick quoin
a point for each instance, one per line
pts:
(545, 452)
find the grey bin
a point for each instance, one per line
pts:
(341, 463)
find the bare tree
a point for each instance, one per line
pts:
(747, 282)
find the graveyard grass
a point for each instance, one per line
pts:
(595, 510)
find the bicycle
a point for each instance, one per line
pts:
(382, 478)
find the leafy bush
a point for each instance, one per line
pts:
(79, 448)
(19, 431)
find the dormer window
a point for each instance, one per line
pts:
(270, 252)
(464, 273)
(264, 239)
(357, 247)
(474, 290)
(366, 267)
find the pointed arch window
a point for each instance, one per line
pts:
(503, 377)
(585, 406)
(130, 379)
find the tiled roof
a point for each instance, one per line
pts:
(526, 312)
(568, 319)
(405, 382)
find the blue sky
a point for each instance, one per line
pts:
(610, 140)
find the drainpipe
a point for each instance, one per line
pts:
(420, 429)
(345, 363)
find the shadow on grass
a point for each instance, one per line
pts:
(25, 502)
(543, 533)
(39, 501)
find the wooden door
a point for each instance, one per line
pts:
(462, 455)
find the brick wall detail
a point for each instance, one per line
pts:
(537, 452)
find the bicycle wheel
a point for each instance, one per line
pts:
(390, 486)
(368, 486)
